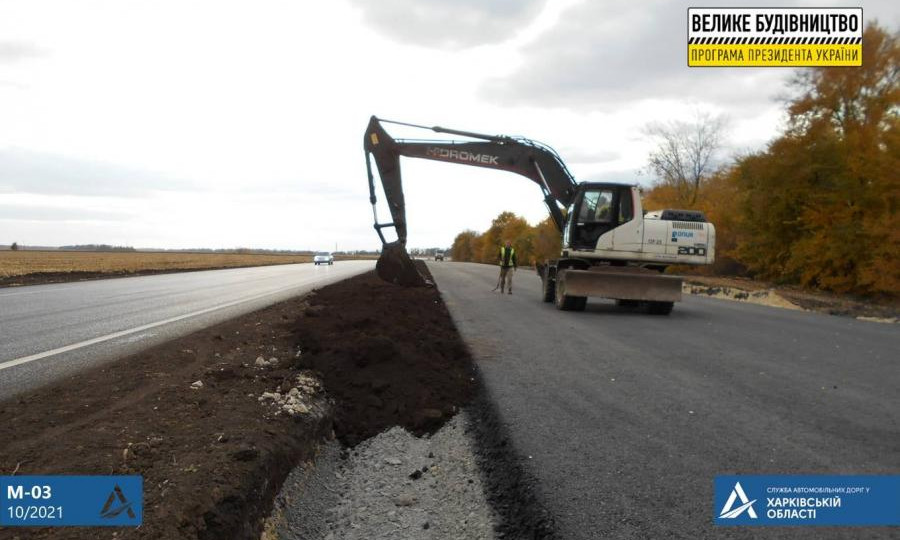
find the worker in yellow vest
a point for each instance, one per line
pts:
(507, 267)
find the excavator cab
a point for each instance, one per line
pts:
(597, 209)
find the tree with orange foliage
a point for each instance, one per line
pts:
(465, 246)
(821, 204)
(547, 243)
(532, 244)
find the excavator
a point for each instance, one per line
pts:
(611, 248)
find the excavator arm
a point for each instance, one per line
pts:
(533, 160)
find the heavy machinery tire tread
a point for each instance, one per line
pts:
(569, 303)
(580, 303)
(548, 292)
(660, 308)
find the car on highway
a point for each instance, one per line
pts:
(323, 257)
(439, 255)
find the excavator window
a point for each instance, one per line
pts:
(604, 207)
(596, 206)
(600, 210)
(588, 206)
(595, 217)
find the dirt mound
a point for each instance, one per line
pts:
(187, 416)
(388, 355)
(395, 266)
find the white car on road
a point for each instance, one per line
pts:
(323, 257)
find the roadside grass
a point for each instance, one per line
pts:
(23, 263)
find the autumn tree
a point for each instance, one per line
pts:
(465, 246)
(547, 243)
(821, 203)
(533, 243)
(507, 227)
(684, 154)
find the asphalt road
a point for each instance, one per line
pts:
(623, 419)
(50, 331)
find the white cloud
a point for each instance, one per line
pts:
(14, 51)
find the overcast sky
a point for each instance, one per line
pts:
(239, 123)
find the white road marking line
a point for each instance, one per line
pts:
(114, 335)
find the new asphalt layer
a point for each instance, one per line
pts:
(622, 419)
(50, 331)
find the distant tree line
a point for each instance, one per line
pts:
(96, 247)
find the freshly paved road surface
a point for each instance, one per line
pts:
(49, 331)
(624, 418)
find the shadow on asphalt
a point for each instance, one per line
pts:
(608, 308)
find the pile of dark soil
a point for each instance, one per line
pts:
(212, 457)
(388, 355)
(395, 266)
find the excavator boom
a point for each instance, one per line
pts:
(531, 159)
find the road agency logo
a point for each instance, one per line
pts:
(766, 500)
(730, 512)
(116, 504)
(774, 37)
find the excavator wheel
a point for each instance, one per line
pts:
(568, 303)
(660, 308)
(548, 286)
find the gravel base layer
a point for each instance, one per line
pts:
(394, 485)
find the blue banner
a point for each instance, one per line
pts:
(42, 501)
(807, 500)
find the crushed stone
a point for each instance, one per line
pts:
(394, 486)
(765, 297)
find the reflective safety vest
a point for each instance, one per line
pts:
(507, 256)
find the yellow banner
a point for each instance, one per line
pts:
(766, 55)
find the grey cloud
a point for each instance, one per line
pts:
(449, 25)
(572, 155)
(23, 171)
(15, 212)
(624, 176)
(13, 51)
(602, 54)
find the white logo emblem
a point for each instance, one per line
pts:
(746, 504)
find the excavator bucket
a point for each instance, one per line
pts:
(395, 266)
